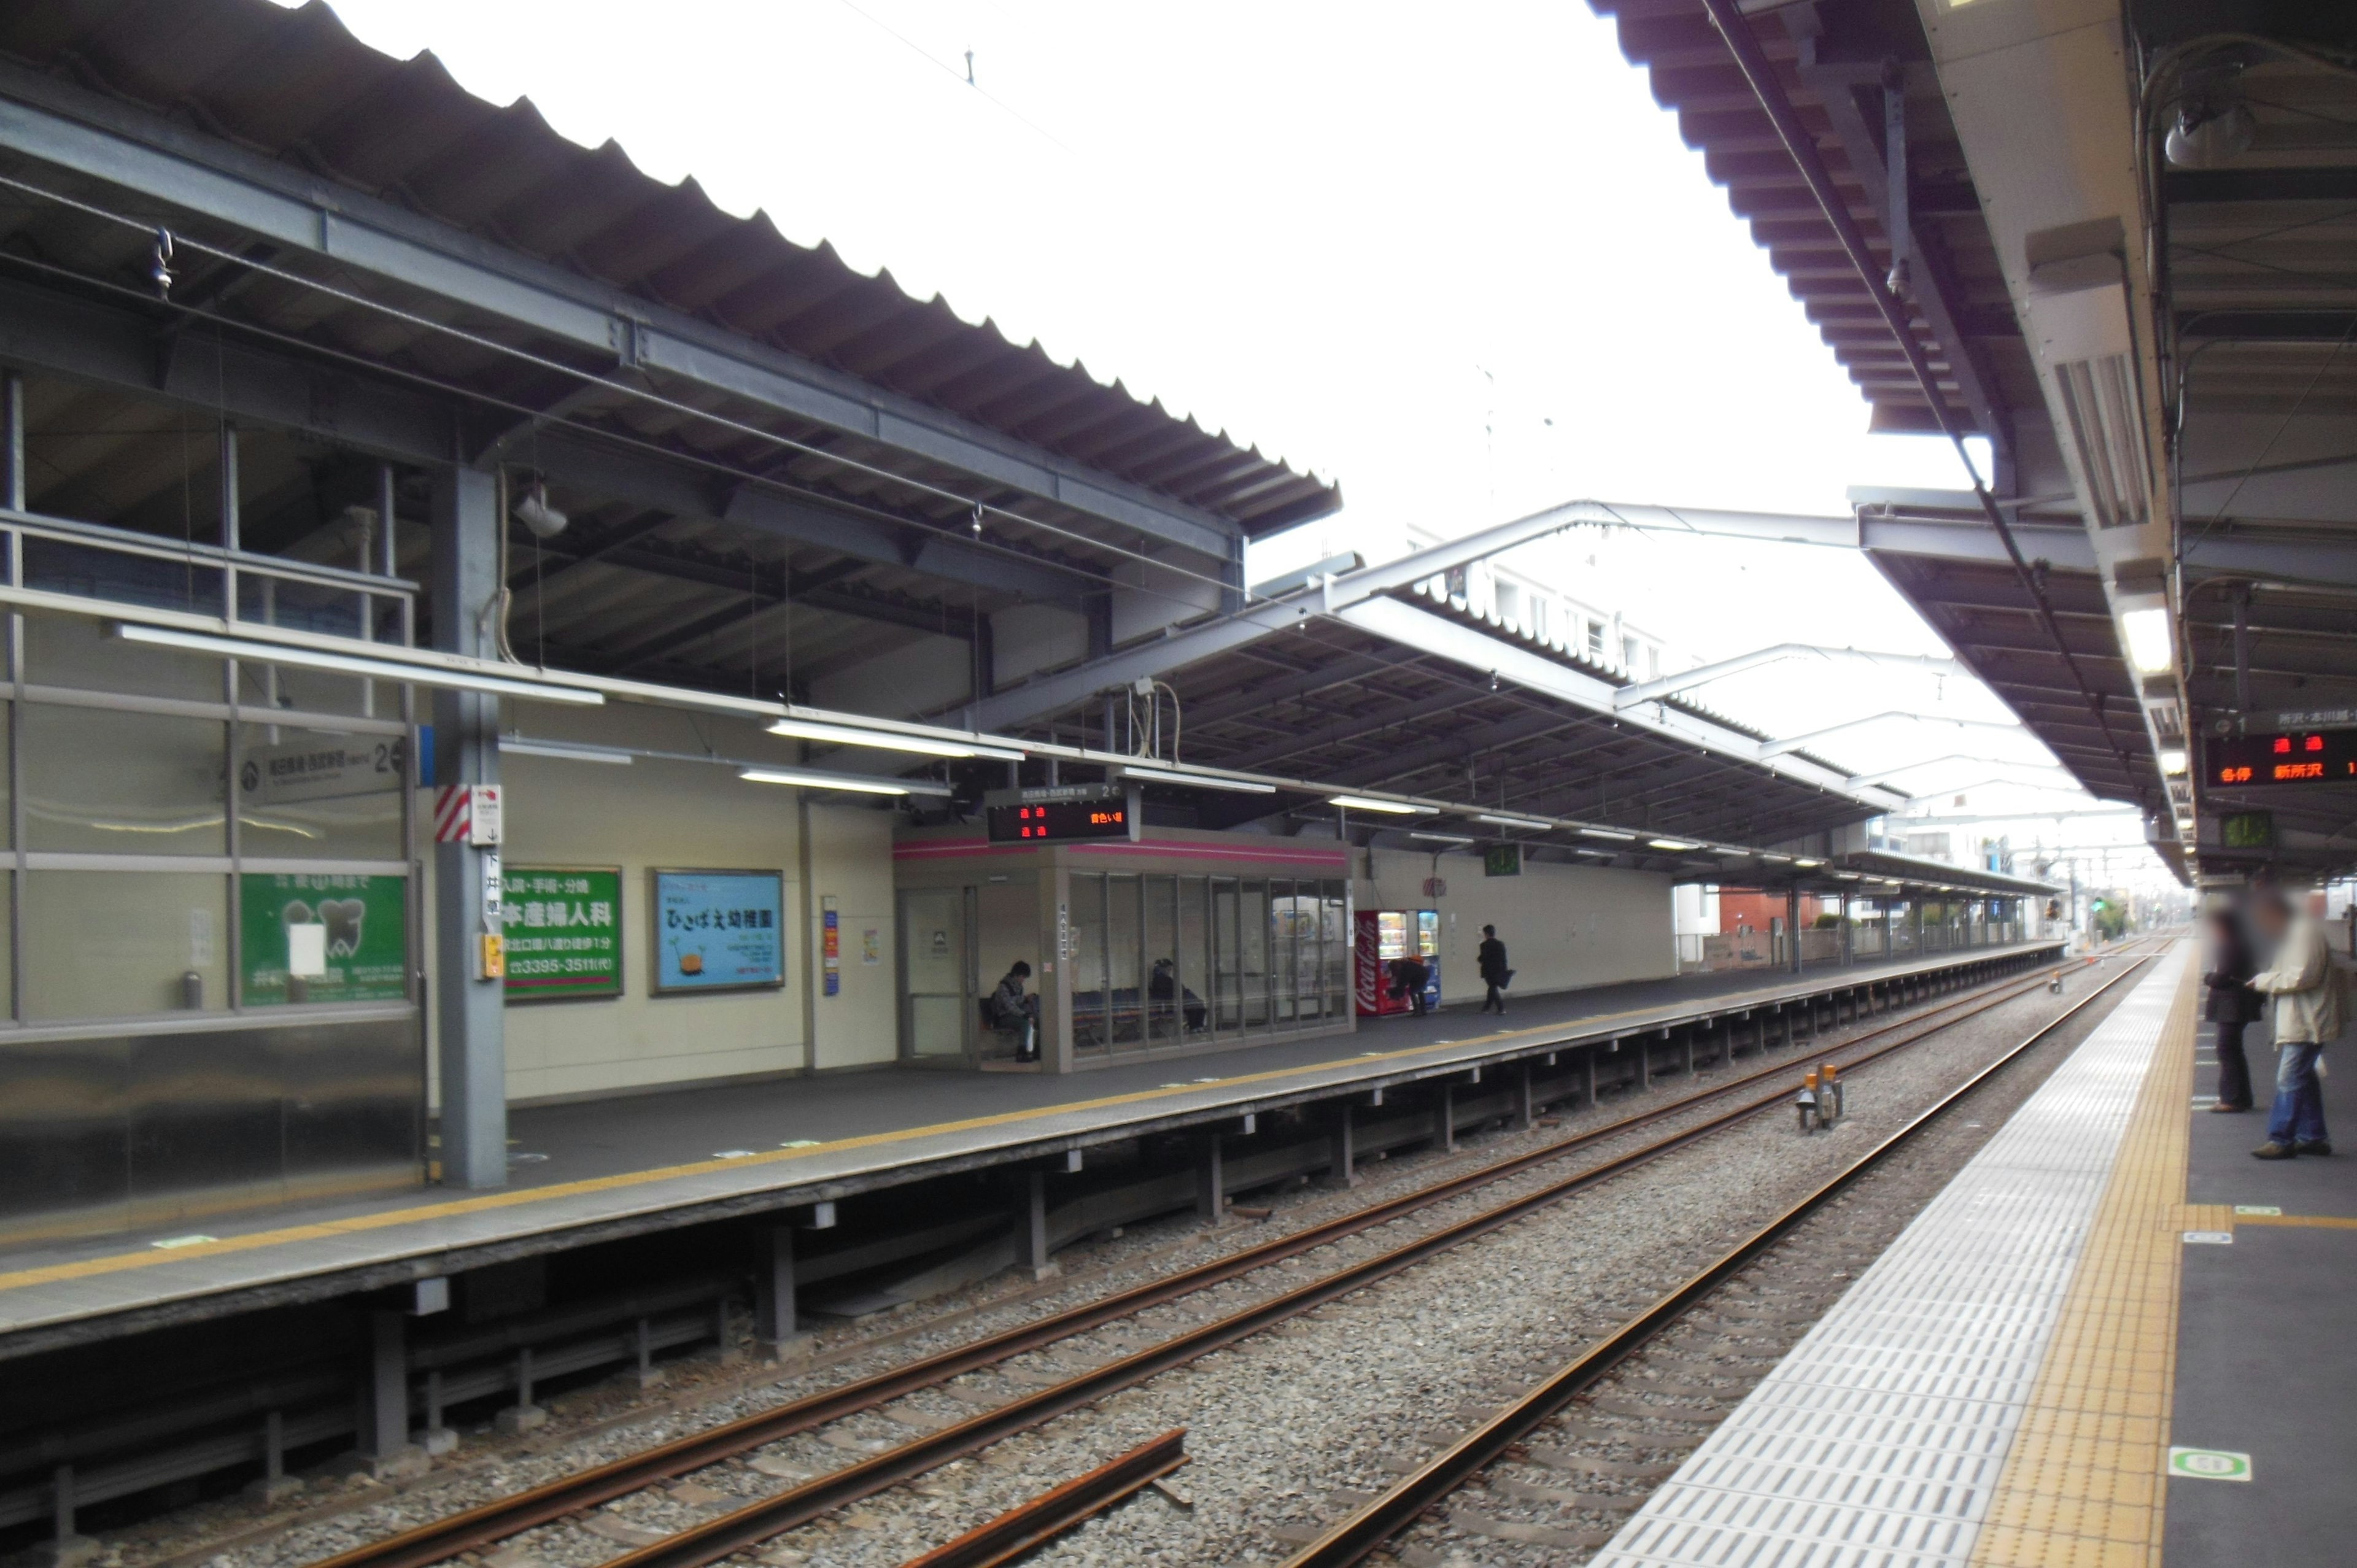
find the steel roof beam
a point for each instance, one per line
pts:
(166, 165)
(1651, 690)
(1932, 287)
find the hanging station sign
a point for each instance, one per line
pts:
(321, 770)
(719, 930)
(2300, 757)
(322, 937)
(564, 931)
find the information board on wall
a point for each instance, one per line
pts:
(719, 930)
(564, 926)
(322, 937)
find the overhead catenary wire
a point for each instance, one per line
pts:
(1735, 30)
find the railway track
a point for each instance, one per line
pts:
(803, 1500)
(1706, 1343)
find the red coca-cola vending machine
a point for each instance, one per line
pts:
(1382, 936)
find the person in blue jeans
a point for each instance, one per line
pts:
(2306, 990)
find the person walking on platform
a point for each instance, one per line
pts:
(2307, 1015)
(1491, 960)
(2232, 1006)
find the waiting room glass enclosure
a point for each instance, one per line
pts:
(1169, 961)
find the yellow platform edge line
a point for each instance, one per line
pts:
(2082, 1482)
(118, 1263)
(2314, 1221)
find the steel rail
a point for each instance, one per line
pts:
(1049, 1515)
(1354, 1539)
(439, 1540)
(760, 1519)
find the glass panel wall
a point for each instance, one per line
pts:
(1160, 923)
(1253, 979)
(1124, 919)
(1163, 961)
(176, 851)
(1195, 981)
(1227, 958)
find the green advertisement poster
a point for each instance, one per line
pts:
(564, 931)
(348, 929)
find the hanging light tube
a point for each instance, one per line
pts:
(806, 779)
(889, 740)
(348, 664)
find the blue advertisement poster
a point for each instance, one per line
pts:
(719, 930)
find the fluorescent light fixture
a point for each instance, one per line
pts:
(348, 664)
(887, 740)
(1780, 859)
(1808, 865)
(2147, 631)
(520, 747)
(1441, 838)
(1185, 780)
(1369, 803)
(2172, 761)
(802, 779)
(1531, 823)
(1671, 843)
(1608, 833)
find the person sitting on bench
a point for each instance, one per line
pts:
(1011, 1009)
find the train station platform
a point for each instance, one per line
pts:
(603, 1170)
(2114, 1338)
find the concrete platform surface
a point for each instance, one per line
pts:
(2267, 1360)
(606, 1168)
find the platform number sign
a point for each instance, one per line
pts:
(2208, 1464)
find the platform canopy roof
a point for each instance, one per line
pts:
(2159, 352)
(759, 446)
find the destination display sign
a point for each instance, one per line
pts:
(1056, 822)
(2298, 757)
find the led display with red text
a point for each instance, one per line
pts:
(1052, 822)
(2295, 756)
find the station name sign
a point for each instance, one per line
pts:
(2297, 757)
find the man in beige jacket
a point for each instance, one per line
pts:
(2306, 991)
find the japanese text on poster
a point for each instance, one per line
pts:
(322, 937)
(719, 930)
(564, 926)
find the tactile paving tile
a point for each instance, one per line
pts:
(1879, 1440)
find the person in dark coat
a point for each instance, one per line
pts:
(2231, 1006)
(1012, 1010)
(1491, 960)
(1410, 976)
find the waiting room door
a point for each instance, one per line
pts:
(940, 993)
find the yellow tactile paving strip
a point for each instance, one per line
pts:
(2082, 1484)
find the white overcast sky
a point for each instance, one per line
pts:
(1454, 256)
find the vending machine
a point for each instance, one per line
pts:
(1382, 936)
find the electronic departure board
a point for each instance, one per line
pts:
(2294, 757)
(1053, 821)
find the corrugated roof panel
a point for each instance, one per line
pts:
(295, 85)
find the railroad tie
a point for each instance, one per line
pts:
(1472, 1522)
(1595, 1502)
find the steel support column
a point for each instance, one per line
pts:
(470, 1010)
(775, 1326)
(1210, 1181)
(1033, 1254)
(1342, 1167)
